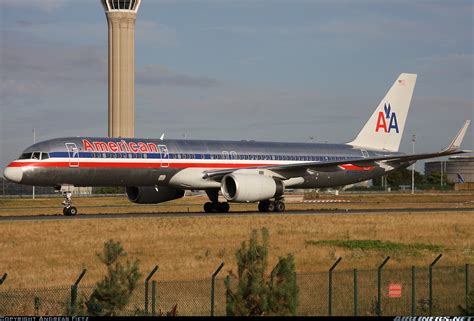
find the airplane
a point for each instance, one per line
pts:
(159, 170)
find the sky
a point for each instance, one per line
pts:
(274, 70)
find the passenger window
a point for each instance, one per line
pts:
(44, 156)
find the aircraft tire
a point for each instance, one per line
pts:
(271, 207)
(208, 207)
(215, 207)
(224, 207)
(65, 211)
(279, 206)
(72, 211)
(263, 206)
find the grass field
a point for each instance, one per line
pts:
(50, 253)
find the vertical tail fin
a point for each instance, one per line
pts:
(384, 129)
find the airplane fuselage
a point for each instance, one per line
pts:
(94, 161)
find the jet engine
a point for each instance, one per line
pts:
(250, 187)
(152, 194)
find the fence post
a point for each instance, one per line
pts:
(213, 284)
(467, 284)
(153, 298)
(330, 286)
(4, 277)
(355, 294)
(379, 286)
(146, 287)
(413, 291)
(74, 291)
(431, 284)
(37, 305)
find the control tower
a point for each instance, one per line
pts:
(121, 17)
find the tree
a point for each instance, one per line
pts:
(399, 177)
(283, 294)
(254, 295)
(113, 293)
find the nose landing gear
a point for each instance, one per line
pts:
(68, 209)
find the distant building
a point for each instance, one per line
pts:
(8, 188)
(457, 169)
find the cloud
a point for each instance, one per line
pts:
(31, 69)
(153, 33)
(43, 5)
(459, 64)
(155, 75)
(244, 31)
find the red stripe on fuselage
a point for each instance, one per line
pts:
(134, 165)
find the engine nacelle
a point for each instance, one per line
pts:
(152, 194)
(250, 187)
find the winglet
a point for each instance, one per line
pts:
(456, 143)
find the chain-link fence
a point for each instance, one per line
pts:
(352, 293)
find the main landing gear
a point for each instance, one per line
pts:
(214, 206)
(68, 209)
(271, 206)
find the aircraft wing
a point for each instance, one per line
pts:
(295, 170)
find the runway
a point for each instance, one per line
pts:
(380, 211)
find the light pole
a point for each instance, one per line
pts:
(413, 139)
(441, 163)
(34, 142)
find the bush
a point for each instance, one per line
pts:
(113, 293)
(254, 295)
(108, 190)
(469, 309)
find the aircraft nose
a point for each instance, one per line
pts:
(14, 174)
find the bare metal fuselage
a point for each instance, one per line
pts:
(89, 161)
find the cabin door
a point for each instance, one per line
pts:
(73, 153)
(165, 156)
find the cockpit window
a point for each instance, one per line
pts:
(44, 155)
(25, 156)
(36, 155)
